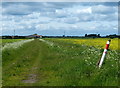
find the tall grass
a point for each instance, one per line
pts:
(61, 64)
(4, 41)
(79, 65)
(96, 42)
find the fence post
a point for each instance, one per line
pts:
(104, 53)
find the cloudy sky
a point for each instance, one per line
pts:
(53, 18)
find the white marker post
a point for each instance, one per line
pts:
(104, 53)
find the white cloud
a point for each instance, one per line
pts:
(17, 9)
(69, 20)
(101, 9)
(61, 13)
(42, 27)
(87, 10)
(50, 17)
(34, 15)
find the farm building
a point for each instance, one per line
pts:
(34, 36)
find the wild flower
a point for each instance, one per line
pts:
(98, 43)
(112, 65)
(49, 43)
(15, 44)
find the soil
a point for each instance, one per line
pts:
(31, 78)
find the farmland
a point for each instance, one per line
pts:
(60, 62)
(4, 41)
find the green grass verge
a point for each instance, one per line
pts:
(63, 64)
(4, 41)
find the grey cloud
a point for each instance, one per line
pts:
(25, 8)
(101, 9)
(16, 9)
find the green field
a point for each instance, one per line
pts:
(4, 41)
(60, 62)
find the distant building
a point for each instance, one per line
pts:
(92, 35)
(34, 36)
(22, 37)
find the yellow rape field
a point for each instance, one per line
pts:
(97, 42)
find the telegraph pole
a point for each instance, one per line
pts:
(64, 34)
(14, 34)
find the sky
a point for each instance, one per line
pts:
(55, 18)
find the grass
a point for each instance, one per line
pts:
(99, 43)
(64, 63)
(4, 41)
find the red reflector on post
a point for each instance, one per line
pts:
(104, 53)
